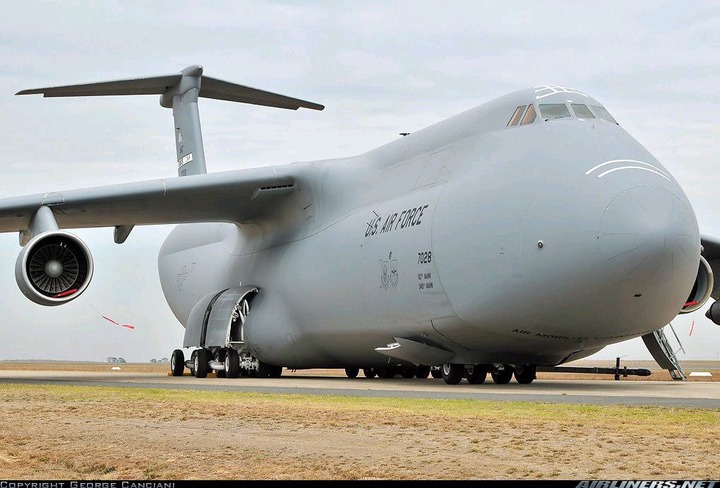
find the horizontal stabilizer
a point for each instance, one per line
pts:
(231, 92)
(156, 85)
(160, 85)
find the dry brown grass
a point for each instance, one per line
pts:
(53, 432)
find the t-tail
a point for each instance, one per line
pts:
(181, 92)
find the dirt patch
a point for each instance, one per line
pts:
(103, 433)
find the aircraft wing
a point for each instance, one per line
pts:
(231, 196)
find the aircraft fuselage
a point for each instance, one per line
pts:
(528, 244)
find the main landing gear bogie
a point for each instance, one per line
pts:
(225, 362)
(501, 374)
(420, 372)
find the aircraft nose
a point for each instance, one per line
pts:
(648, 235)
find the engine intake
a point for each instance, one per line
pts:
(54, 268)
(702, 288)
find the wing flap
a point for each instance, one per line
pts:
(232, 196)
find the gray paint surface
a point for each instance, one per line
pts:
(424, 239)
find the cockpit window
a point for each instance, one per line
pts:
(602, 113)
(529, 116)
(549, 111)
(582, 112)
(516, 116)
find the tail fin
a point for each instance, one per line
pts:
(180, 92)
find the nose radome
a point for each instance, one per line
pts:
(649, 235)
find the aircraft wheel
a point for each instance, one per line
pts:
(263, 370)
(422, 372)
(436, 372)
(275, 371)
(408, 373)
(192, 363)
(476, 374)
(232, 363)
(525, 374)
(220, 357)
(177, 362)
(369, 372)
(453, 373)
(201, 363)
(502, 376)
(352, 372)
(387, 372)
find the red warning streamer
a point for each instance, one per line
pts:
(128, 326)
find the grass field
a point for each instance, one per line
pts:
(73, 432)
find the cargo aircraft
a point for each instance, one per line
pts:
(522, 234)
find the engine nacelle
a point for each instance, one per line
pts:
(54, 268)
(702, 288)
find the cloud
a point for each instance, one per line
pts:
(380, 68)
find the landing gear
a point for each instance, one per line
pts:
(436, 372)
(369, 372)
(502, 374)
(177, 362)
(525, 374)
(453, 373)
(220, 356)
(232, 363)
(201, 365)
(275, 371)
(408, 373)
(476, 373)
(265, 370)
(352, 372)
(422, 372)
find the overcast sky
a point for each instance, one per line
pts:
(380, 68)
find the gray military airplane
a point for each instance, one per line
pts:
(524, 233)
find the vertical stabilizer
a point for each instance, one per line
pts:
(183, 99)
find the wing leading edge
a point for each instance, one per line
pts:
(231, 196)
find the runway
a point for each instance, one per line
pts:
(594, 392)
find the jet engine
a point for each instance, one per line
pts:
(53, 268)
(702, 288)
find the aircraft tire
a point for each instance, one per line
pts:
(525, 374)
(192, 363)
(177, 362)
(369, 372)
(422, 372)
(502, 376)
(275, 371)
(476, 374)
(387, 372)
(262, 371)
(352, 372)
(201, 363)
(453, 373)
(232, 363)
(408, 373)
